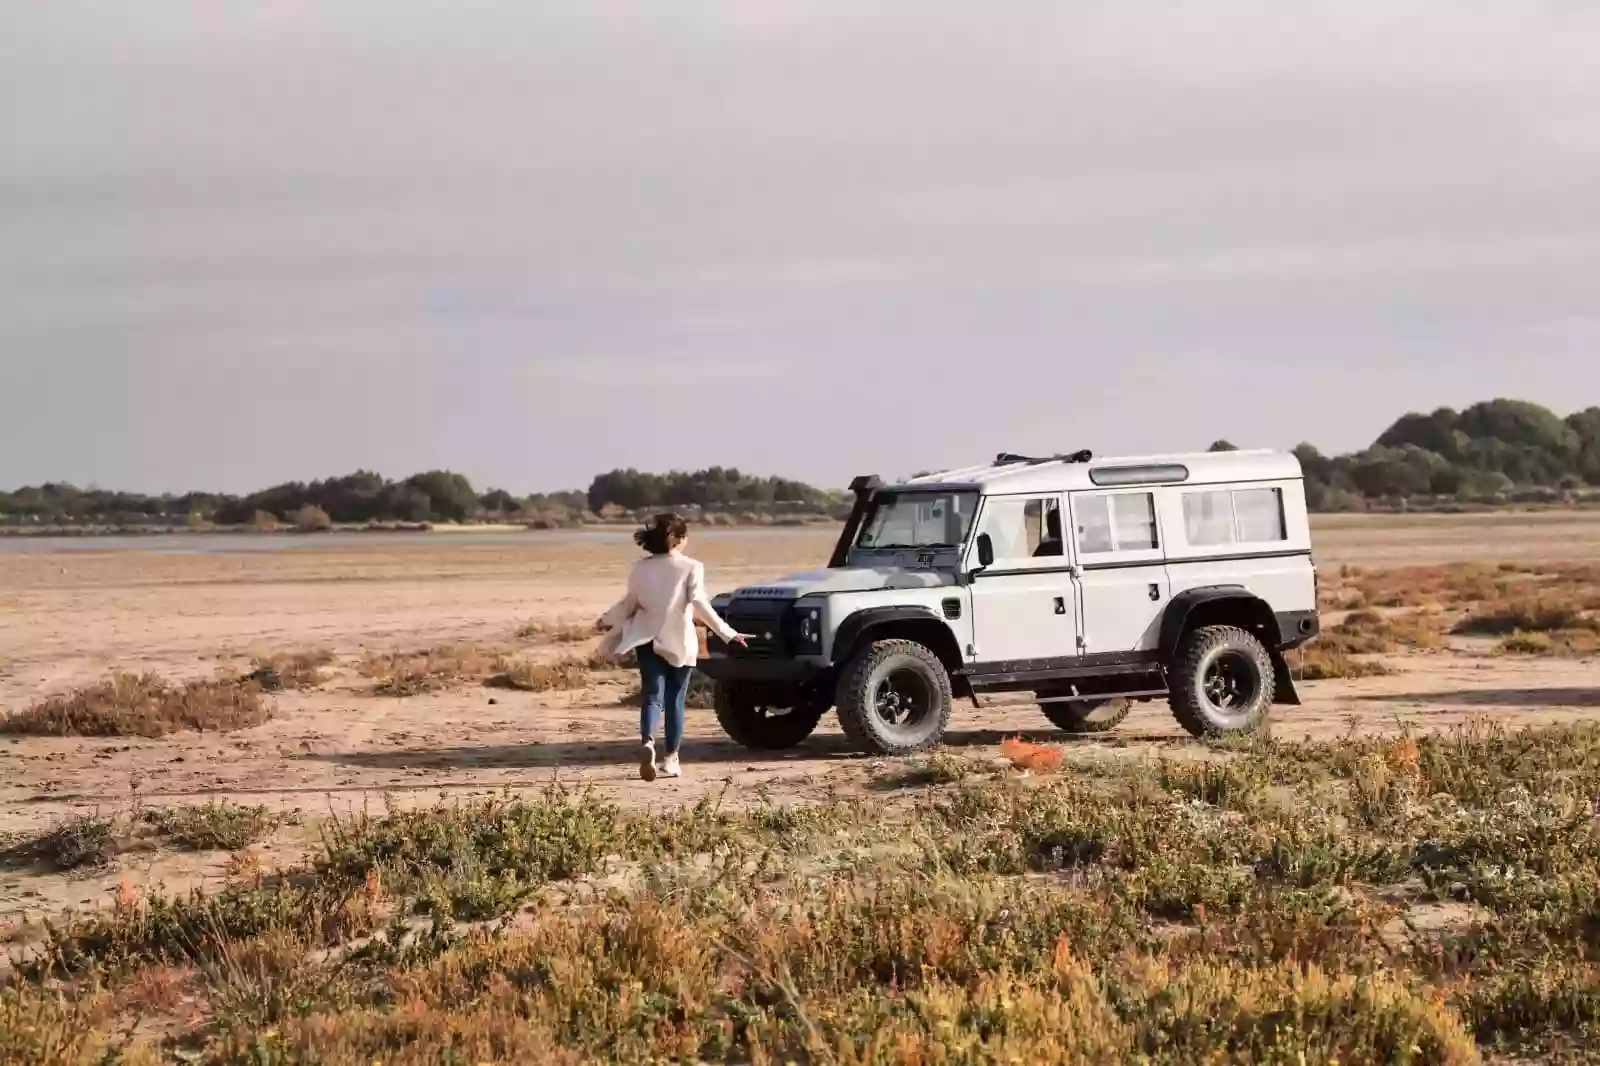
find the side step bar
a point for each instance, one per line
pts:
(1104, 696)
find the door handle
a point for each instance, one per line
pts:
(1061, 605)
(1155, 592)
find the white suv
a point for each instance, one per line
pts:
(1088, 582)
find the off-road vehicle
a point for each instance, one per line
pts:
(1089, 583)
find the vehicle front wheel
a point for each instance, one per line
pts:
(1221, 681)
(1087, 716)
(752, 722)
(894, 698)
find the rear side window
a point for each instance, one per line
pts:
(1207, 519)
(1259, 513)
(1233, 516)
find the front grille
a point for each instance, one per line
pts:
(764, 621)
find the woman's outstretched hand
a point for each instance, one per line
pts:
(741, 639)
(600, 626)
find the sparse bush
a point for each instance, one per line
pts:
(1568, 643)
(293, 670)
(1528, 616)
(1373, 899)
(412, 673)
(212, 827)
(142, 705)
(1317, 663)
(940, 768)
(312, 519)
(87, 840)
(1369, 632)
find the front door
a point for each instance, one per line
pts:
(1123, 587)
(1023, 605)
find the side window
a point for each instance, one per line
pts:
(1260, 515)
(1133, 521)
(1237, 516)
(1207, 519)
(1022, 528)
(1116, 522)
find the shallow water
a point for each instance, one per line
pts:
(244, 543)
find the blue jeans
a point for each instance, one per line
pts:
(665, 687)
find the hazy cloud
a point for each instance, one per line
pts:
(245, 242)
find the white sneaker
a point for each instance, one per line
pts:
(670, 767)
(647, 761)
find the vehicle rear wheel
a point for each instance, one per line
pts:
(1087, 716)
(752, 722)
(1222, 681)
(894, 698)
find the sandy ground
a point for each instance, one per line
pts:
(66, 618)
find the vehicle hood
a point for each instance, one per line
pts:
(849, 579)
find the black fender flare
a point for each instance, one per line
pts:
(857, 628)
(1175, 622)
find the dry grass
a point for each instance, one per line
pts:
(1463, 585)
(1317, 662)
(525, 675)
(1547, 614)
(291, 670)
(1548, 610)
(412, 673)
(1427, 900)
(142, 705)
(1368, 632)
(554, 633)
(1562, 643)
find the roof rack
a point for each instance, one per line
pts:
(1009, 458)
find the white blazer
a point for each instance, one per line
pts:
(666, 593)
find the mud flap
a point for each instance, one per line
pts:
(1285, 681)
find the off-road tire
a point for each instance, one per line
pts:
(753, 724)
(1088, 716)
(1199, 653)
(859, 691)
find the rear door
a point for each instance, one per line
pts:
(1123, 587)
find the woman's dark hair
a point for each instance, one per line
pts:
(664, 531)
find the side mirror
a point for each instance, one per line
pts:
(985, 550)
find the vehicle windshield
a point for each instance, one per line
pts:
(918, 520)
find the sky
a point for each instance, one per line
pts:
(248, 242)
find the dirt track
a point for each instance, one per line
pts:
(65, 619)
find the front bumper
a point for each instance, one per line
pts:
(788, 671)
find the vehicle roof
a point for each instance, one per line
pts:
(1059, 475)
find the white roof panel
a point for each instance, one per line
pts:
(1058, 475)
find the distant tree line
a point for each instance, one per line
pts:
(1488, 453)
(717, 488)
(356, 499)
